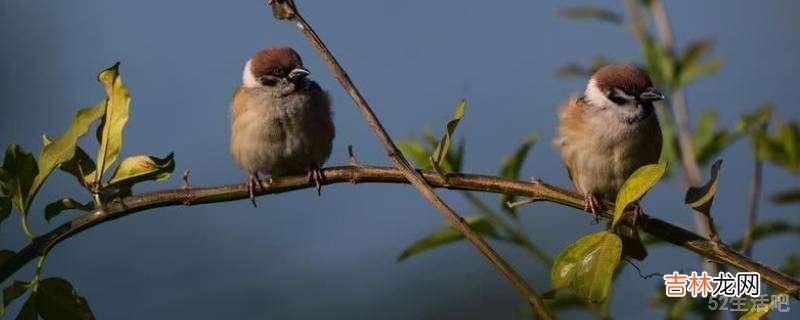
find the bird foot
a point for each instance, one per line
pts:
(252, 181)
(637, 212)
(592, 204)
(315, 175)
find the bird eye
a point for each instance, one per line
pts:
(278, 72)
(617, 99)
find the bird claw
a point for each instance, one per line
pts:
(637, 212)
(252, 181)
(592, 205)
(315, 175)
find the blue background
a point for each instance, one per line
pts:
(299, 256)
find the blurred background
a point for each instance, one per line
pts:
(302, 256)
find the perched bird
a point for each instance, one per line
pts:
(608, 133)
(280, 120)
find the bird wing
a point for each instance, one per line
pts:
(571, 127)
(238, 104)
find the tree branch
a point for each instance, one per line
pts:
(704, 223)
(537, 190)
(752, 213)
(287, 10)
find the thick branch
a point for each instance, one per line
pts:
(537, 190)
(286, 9)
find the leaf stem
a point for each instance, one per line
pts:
(25, 227)
(38, 273)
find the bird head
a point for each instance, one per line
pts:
(272, 66)
(622, 88)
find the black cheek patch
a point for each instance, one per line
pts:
(616, 99)
(268, 80)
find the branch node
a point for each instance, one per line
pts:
(352, 154)
(519, 203)
(186, 184)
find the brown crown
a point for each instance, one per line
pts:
(265, 61)
(627, 77)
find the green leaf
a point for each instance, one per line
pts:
(696, 50)
(511, 166)
(140, 168)
(62, 149)
(591, 13)
(81, 166)
(11, 293)
(28, 311)
(116, 115)
(574, 69)
(792, 265)
(698, 69)
(455, 158)
(5, 208)
(755, 120)
(705, 127)
(701, 198)
(782, 148)
(447, 235)
(768, 229)
(20, 170)
(669, 150)
(659, 64)
(587, 266)
(57, 299)
(789, 136)
(757, 312)
(786, 196)
(6, 256)
(415, 150)
(66, 203)
(634, 188)
(440, 152)
(691, 65)
(708, 140)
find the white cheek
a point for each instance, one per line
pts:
(248, 80)
(594, 96)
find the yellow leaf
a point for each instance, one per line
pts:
(62, 149)
(140, 168)
(641, 181)
(701, 198)
(116, 115)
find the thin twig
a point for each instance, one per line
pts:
(370, 174)
(637, 21)
(752, 213)
(286, 9)
(352, 154)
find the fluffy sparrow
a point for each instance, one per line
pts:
(280, 120)
(608, 133)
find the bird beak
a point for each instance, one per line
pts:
(298, 73)
(651, 94)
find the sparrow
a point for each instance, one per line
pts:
(281, 121)
(608, 133)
